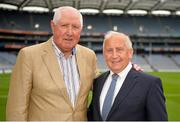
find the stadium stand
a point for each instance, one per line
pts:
(152, 36)
(132, 25)
(7, 60)
(176, 59)
(162, 62)
(101, 63)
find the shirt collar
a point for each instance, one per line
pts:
(60, 53)
(124, 72)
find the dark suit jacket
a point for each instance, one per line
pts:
(140, 98)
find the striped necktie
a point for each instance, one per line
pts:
(109, 97)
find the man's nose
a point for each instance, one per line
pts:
(69, 30)
(114, 55)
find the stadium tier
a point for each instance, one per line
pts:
(156, 39)
(132, 25)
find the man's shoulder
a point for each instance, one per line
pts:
(85, 51)
(35, 47)
(83, 48)
(102, 75)
(143, 76)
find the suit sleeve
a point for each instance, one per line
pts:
(90, 109)
(156, 108)
(20, 88)
(90, 112)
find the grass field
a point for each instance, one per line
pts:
(4, 83)
(171, 84)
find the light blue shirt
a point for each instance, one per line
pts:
(69, 69)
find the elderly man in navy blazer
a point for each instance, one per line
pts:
(124, 94)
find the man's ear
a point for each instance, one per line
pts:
(52, 26)
(131, 53)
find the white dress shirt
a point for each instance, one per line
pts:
(119, 83)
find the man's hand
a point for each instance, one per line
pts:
(137, 67)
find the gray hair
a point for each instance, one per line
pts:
(113, 33)
(57, 14)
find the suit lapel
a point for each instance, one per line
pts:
(128, 84)
(51, 62)
(81, 64)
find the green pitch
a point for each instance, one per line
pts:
(4, 84)
(171, 84)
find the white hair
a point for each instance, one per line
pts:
(57, 14)
(113, 33)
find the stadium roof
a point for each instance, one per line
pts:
(171, 7)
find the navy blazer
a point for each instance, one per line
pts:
(140, 98)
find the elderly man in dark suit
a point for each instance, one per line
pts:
(124, 94)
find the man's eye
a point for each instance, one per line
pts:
(110, 50)
(119, 50)
(76, 27)
(64, 25)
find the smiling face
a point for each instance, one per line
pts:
(117, 53)
(67, 30)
